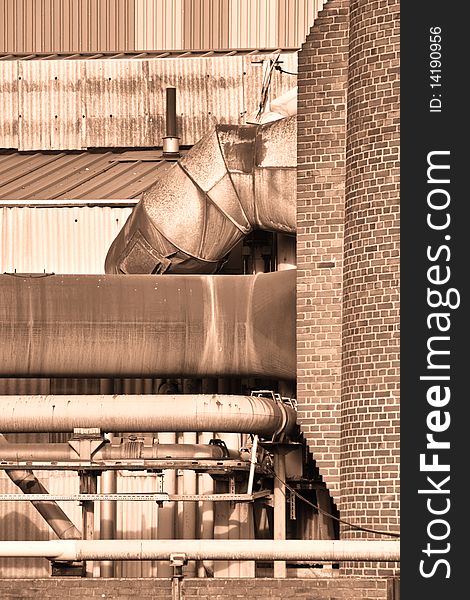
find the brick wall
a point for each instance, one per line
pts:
(370, 372)
(348, 259)
(322, 81)
(199, 589)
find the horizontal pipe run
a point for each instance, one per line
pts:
(146, 326)
(163, 413)
(294, 550)
(64, 452)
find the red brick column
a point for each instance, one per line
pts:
(370, 372)
(322, 81)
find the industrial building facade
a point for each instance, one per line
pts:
(347, 259)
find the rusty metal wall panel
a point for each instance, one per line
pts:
(9, 103)
(72, 104)
(209, 90)
(225, 89)
(192, 97)
(51, 110)
(117, 103)
(58, 240)
(67, 25)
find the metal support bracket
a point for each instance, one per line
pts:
(86, 442)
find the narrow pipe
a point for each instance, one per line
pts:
(279, 501)
(171, 111)
(171, 140)
(167, 513)
(147, 412)
(88, 485)
(254, 450)
(141, 326)
(50, 511)
(108, 517)
(206, 511)
(296, 550)
(189, 509)
(61, 452)
(235, 179)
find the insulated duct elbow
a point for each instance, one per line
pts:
(234, 180)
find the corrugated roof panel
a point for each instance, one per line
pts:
(51, 114)
(72, 176)
(9, 104)
(69, 174)
(58, 240)
(117, 103)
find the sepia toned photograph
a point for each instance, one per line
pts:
(199, 299)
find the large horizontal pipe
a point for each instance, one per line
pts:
(169, 412)
(142, 326)
(298, 550)
(61, 452)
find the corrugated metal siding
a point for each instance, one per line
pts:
(51, 105)
(198, 24)
(72, 104)
(135, 25)
(8, 104)
(58, 240)
(20, 521)
(117, 103)
(67, 25)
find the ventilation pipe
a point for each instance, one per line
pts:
(171, 144)
(235, 179)
(142, 326)
(265, 550)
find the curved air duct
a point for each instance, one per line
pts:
(180, 326)
(235, 179)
